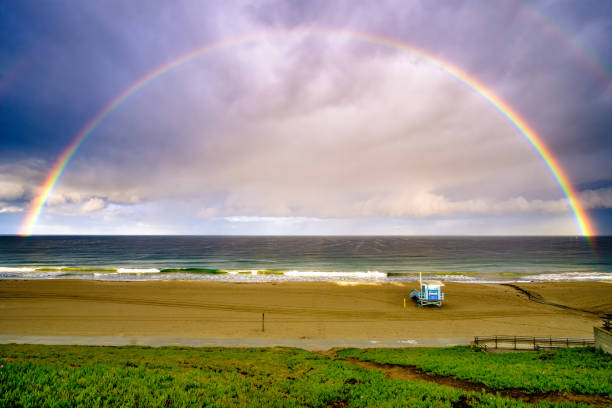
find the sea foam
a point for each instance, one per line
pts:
(568, 276)
(20, 269)
(333, 274)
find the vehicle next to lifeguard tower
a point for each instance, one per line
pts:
(429, 294)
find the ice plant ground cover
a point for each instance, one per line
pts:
(64, 376)
(582, 370)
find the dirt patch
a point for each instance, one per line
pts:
(462, 403)
(534, 297)
(331, 353)
(412, 373)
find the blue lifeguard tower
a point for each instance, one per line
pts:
(429, 294)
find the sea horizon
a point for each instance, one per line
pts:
(273, 258)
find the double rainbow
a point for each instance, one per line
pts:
(582, 220)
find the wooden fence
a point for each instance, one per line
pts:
(607, 321)
(529, 343)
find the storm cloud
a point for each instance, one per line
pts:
(309, 130)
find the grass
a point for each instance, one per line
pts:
(67, 376)
(581, 370)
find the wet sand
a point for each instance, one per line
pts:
(296, 310)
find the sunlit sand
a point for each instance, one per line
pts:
(295, 310)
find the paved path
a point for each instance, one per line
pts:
(308, 344)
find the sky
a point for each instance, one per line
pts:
(297, 125)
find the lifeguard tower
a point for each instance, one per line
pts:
(429, 294)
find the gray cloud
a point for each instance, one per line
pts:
(10, 190)
(310, 127)
(93, 204)
(5, 208)
(373, 137)
(601, 198)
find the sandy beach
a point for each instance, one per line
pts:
(296, 310)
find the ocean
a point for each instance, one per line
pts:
(306, 258)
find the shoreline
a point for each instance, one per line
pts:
(310, 277)
(295, 310)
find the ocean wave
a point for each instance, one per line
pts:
(147, 272)
(64, 269)
(429, 274)
(569, 276)
(74, 269)
(270, 272)
(243, 272)
(194, 270)
(138, 270)
(452, 277)
(337, 274)
(255, 272)
(16, 269)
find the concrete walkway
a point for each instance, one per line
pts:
(307, 344)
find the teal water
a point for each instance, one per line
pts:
(242, 258)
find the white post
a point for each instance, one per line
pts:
(423, 295)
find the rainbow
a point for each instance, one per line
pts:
(582, 220)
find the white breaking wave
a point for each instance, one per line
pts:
(243, 271)
(569, 276)
(137, 270)
(265, 275)
(323, 275)
(447, 278)
(20, 269)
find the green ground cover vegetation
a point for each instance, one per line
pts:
(67, 376)
(582, 370)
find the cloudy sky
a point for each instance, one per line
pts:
(305, 129)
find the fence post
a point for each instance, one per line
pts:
(550, 341)
(263, 317)
(567, 342)
(515, 342)
(495, 342)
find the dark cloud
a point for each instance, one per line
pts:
(266, 128)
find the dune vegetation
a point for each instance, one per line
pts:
(581, 370)
(67, 376)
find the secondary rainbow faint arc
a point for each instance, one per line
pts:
(554, 29)
(582, 220)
